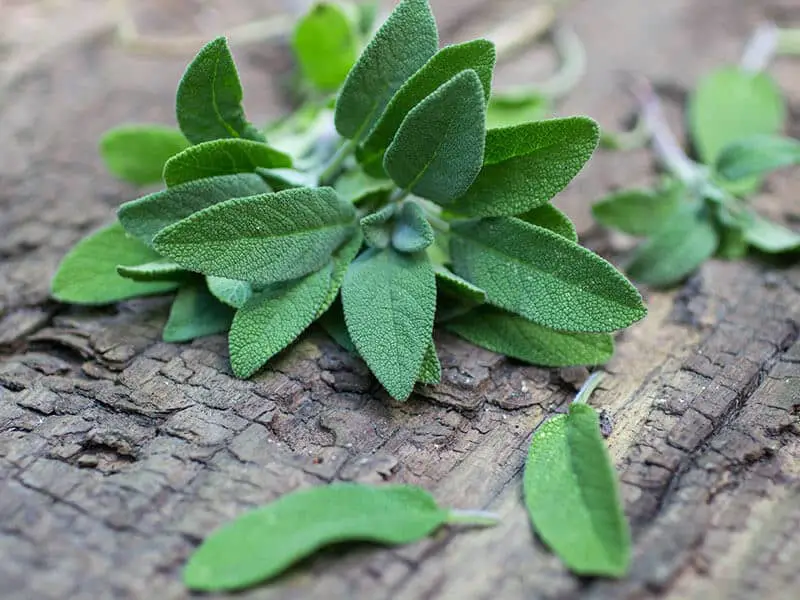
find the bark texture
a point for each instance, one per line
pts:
(119, 453)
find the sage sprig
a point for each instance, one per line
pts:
(412, 214)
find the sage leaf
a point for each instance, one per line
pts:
(572, 495)
(454, 285)
(526, 165)
(358, 187)
(326, 45)
(261, 239)
(137, 153)
(506, 110)
(757, 155)
(209, 98)
(284, 179)
(478, 55)
(549, 217)
(684, 242)
(88, 273)
(377, 226)
(402, 45)
(438, 150)
(196, 313)
(770, 237)
(232, 292)
(222, 157)
(542, 276)
(638, 212)
(144, 217)
(158, 270)
(430, 372)
(332, 321)
(389, 303)
(732, 243)
(412, 232)
(264, 542)
(515, 336)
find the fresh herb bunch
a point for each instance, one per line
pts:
(701, 209)
(396, 199)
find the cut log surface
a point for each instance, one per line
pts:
(119, 453)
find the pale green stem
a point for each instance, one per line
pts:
(335, 164)
(472, 517)
(589, 386)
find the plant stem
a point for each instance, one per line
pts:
(398, 195)
(515, 34)
(760, 49)
(481, 518)
(573, 64)
(589, 386)
(788, 41)
(335, 164)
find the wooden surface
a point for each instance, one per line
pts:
(118, 452)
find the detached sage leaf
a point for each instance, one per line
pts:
(412, 232)
(159, 270)
(232, 292)
(389, 303)
(757, 155)
(209, 98)
(88, 273)
(526, 165)
(430, 373)
(478, 55)
(196, 313)
(326, 44)
(137, 153)
(515, 336)
(261, 239)
(263, 543)
(683, 243)
(549, 217)
(222, 157)
(542, 276)
(402, 45)
(144, 217)
(770, 237)
(572, 495)
(438, 150)
(638, 212)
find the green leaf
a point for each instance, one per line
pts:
(158, 270)
(367, 11)
(542, 276)
(265, 238)
(515, 336)
(356, 187)
(732, 243)
(770, 237)
(284, 179)
(402, 45)
(455, 286)
(377, 227)
(506, 110)
(88, 273)
(326, 45)
(137, 153)
(478, 55)
(430, 373)
(549, 217)
(209, 98)
(232, 292)
(196, 313)
(757, 155)
(144, 217)
(332, 321)
(572, 495)
(263, 543)
(685, 241)
(638, 212)
(371, 161)
(438, 150)
(221, 157)
(389, 303)
(526, 165)
(412, 232)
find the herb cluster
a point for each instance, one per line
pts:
(410, 214)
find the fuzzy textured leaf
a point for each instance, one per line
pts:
(455, 286)
(377, 226)
(514, 109)
(264, 542)
(389, 303)
(542, 276)
(88, 273)
(770, 237)
(261, 239)
(332, 321)
(209, 98)
(222, 157)
(137, 153)
(196, 313)
(158, 270)
(638, 212)
(144, 217)
(478, 55)
(326, 45)
(232, 292)
(572, 495)
(526, 165)
(430, 373)
(401, 46)
(438, 150)
(357, 187)
(757, 155)
(412, 232)
(549, 217)
(515, 336)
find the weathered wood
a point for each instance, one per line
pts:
(118, 453)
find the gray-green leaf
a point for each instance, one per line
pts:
(549, 217)
(638, 212)
(757, 155)
(412, 232)
(438, 150)
(233, 292)
(158, 270)
(356, 186)
(402, 45)
(196, 313)
(389, 303)
(261, 239)
(505, 110)
(332, 321)
(377, 226)
(430, 373)
(526, 165)
(572, 495)
(770, 237)
(137, 153)
(542, 276)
